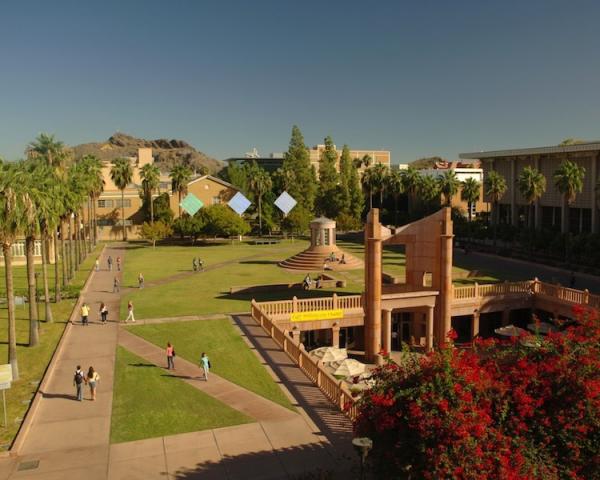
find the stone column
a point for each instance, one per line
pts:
(444, 315)
(429, 335)
(335, 336)
(372, 287)
(513, 192)
(537, 206)
(295, 336)
(386, 330)
(594, 176)
(505, 317)
(475, 324)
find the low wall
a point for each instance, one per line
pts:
(327, 281)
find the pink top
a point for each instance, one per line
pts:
(169, 351)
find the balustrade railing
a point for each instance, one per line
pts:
(332, 388)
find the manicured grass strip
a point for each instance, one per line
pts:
(229, 355)
(148, 402)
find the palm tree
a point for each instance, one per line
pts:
(259, 184)
(180, 177)
(13, 218)
(150, 181)
(532, 185)
(396, 187)
(92, 168)
(449, 185)
(51, 150)
(121, 174)
(368, 181)
(495, 188)
(429, 189)
(411, 178)
(470, 193)
(568, 179)
(380, 173)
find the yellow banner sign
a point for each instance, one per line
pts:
(317, 315)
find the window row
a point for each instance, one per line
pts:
(114, 203)
(18, 248)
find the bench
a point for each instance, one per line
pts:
(266, 241)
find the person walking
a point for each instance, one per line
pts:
(205, 364)
(141, 280)
(170, 356)
(78, 381)
(118, 264)
(109, 261)
(103, 313)
(85, 312)
(195, 264)
(130, 312)
(116, 285)
(92, 381)
(97, 265)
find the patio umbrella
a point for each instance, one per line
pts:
(350, 368)
(510, 331)
(330, 354)
(542, 327)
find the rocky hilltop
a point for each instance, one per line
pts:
(167, 153)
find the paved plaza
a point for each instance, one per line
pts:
(63, 438)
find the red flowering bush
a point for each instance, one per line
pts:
(524, 409)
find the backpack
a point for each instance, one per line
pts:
(78, 378)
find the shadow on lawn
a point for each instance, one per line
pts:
(314, 461)
(141, 365)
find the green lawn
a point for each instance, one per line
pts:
(208, 291)
(229, 355)
(148, 402)
(33, 361)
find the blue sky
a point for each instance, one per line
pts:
(417, 78)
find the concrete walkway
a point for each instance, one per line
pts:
(67, 438)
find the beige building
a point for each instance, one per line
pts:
(208, 189)
(550, 211)
(377, 156)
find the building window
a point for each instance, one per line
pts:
(126, 203)
(105, 203)
(216, 200)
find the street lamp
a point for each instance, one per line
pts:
(362, 445)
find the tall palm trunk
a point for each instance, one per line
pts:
(57, 297)
(123, 215)
(45, 255)
(259, 216)
(151, 209)
(71, 258)
(34, 337)
(90, 221)
(95, 221)
(82, 238)
(179, 202)
(63, 253)
(495, 214)
(10, 299)
(76, 237)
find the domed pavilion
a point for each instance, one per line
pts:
(323, 251)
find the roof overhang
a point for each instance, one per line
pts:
(580, 147)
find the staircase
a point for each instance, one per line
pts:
(313, 259)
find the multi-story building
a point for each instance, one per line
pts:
(208, 189)
(550, 211)
(463, 171)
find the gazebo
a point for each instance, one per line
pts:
(323, 251)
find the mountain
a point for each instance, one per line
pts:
(167, 153)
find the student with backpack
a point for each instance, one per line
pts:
(78, 382)
(103, 313)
